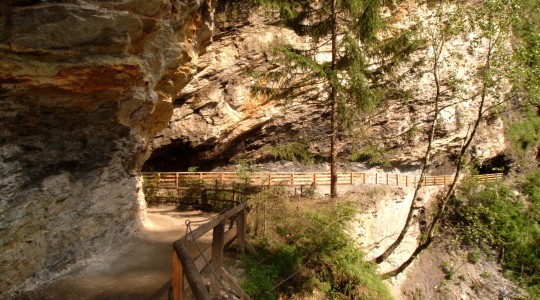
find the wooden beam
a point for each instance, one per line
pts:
(192, 274)
(177, 278)
(241, 232)
(218, 239)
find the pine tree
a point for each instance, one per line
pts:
(353, 77)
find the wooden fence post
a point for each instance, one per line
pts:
(218, 238)
(177, 281)
(241, 222)
(204, 198)
(364, 178)
(292, 179)
(314, 179)
(406, 180)
(352, 183)
(176, 179)
(269, 179)
(376, 178)
(386, 178)
(397, 179)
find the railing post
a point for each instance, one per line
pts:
(397, 179)
(386, 178)
(269, 179)
(352, 183)
(444, 180)
(204, 198)
(218, 238)
(314, 179)
(376, 178)
(407, 180)
(221, 177)
(425, 181)
(234, 196)
(176, 179)
(177, 281)
(200, 177)
(241, 222)
(364, 178)
(292, 179)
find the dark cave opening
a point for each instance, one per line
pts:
(179, 156)
(497, 164)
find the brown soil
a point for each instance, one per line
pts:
(139, 268)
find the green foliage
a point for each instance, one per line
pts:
(363, 58)
(244, 170)
(293, 151)
(374, 155)
(490, 215)
(525, 134)
(308, 249)
(193, 169)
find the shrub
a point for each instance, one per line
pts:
(293, 152)
(491, 215)
(372, 154)
(309, 249)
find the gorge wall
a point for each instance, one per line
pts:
(85, 85)
(218, 119)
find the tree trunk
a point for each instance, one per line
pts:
(333, 104)
(427, 159)
(450, 192)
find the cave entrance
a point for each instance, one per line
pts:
(179, 156)
(496, 164)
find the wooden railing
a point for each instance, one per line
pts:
(188, 267)
(179, 179)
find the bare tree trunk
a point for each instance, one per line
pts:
(450, 192)
(333, 103)
(427, 158)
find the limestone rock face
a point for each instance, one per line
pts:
(217, 119)
(84, 87)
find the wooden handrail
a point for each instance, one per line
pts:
(185, 265)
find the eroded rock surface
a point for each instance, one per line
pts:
(84, 86)
(217, 119)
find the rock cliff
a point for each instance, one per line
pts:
(217, 119)
(85, 85)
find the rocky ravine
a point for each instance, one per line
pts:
(84, 87)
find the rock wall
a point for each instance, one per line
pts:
(84, 86)
(217, 119)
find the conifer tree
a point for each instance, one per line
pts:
(349, 32)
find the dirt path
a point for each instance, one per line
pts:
(124, 273)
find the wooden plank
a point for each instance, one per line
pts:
(177, 278)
